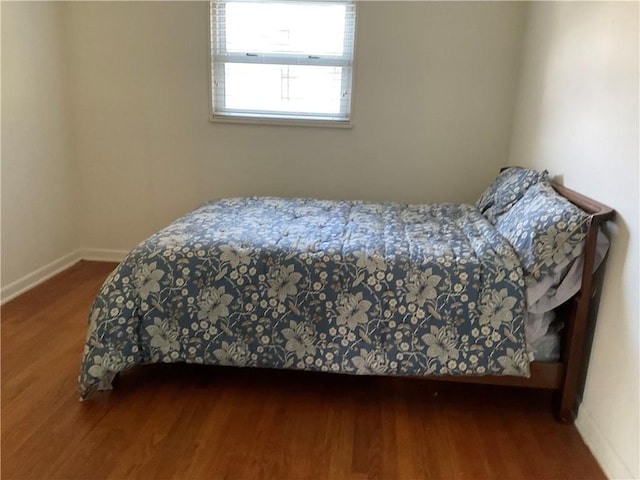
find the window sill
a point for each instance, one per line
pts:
(286, 122)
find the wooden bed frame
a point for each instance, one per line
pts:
(567, 376)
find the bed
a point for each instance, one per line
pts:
(442, 291)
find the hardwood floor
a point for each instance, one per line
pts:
(188, 422)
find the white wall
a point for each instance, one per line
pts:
(577, 115)
(434, 94)
(38, 191)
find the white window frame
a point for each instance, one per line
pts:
(277, 118)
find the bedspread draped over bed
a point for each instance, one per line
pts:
(349, 287)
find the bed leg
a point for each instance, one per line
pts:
(565, 406)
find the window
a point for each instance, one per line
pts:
(282, 61)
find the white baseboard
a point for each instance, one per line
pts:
(42, 274)
(32, 279)
(103, 255)
(609, 460)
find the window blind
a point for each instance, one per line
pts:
(282, 59)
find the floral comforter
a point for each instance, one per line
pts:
(348, 287)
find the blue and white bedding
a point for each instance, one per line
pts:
(348, 287)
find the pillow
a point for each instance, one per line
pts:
(508, 187)
(546, 230)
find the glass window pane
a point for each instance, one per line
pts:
(314, 29)
(283, 88)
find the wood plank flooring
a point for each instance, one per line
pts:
(191, 422)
